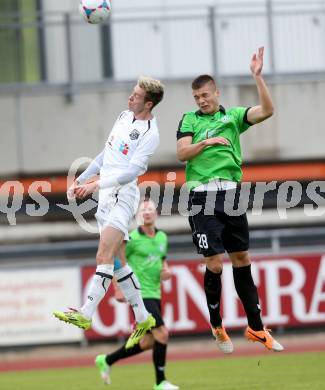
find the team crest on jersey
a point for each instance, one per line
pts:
(226, 119)
(134, 134)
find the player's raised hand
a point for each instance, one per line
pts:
(257, 62)
(83, 190)
(216, 141)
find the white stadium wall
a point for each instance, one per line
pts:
(44, 133)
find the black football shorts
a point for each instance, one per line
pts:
(218, 222)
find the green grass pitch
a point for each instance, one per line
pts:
(267, 372)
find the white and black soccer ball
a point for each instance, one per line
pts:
(95, 11)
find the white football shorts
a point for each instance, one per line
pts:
(117, 207)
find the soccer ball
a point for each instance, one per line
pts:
(95, 11)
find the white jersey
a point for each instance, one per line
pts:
(130, 141)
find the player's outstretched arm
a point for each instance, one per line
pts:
(92, 169)
(136, 167)
(130, 174)
(265, 109)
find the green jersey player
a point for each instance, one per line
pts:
(209, 142)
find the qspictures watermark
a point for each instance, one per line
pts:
(289, 194)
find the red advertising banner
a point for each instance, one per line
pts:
(291, 288)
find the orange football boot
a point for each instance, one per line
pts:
(222, 339)
(264, 337)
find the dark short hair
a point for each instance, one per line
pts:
(201, 80)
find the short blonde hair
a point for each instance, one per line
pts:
(154, 89)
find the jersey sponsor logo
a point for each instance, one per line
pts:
(124, 148)
(134, 134)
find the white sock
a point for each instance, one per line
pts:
(131, 289)
(98, 288)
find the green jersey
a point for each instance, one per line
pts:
(146, 255)
(217, 161)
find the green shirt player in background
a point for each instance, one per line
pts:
(146, 253)
(208, 140)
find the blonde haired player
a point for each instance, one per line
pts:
(132, 140)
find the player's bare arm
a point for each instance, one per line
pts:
(186, 150)
(91, 172)
(265, 109)
(83, 190)
(131, 173)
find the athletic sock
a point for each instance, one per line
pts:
(159, 360)
(212, 288)
(98, 288)
(248, 295)
(131, 289)
(122, 353)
